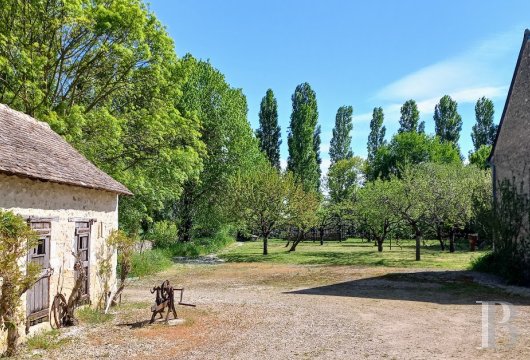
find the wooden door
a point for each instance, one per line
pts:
(82, 240)
(38, 297)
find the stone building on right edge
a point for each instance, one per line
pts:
(510, 155)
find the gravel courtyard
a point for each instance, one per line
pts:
(275, 311)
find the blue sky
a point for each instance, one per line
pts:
(359, 53)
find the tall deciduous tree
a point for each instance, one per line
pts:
(376, 139)
(316, 148)
(340, 145)
(105, 76)
(269, 133)
(230, 145)
(484, 131)
(302, 161)
(411, 148)
(410, 117)
(447, 120)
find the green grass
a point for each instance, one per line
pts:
(352, 252)
(92, 316)
(159, 259)
(46, 340)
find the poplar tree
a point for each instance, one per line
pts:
(447, 121)
(484, 131)
(302, 161)
(377, 133)
(410, 117)
(316, 148)
(340, 146)
(269, 132)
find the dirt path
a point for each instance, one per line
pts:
(261, 311)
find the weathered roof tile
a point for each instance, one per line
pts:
(29, 148)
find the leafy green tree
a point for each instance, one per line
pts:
(447, 121)
(340, 145)
(373, 211)
(447, 198)
(231, 148)
(105, 76)
(259, 200)
(16, 239)
(269, 132)
(344, 178)
(325, 218)
(480, 157)
(406, 202)
(410, 117)
(484, 131)
(410, 148)
(302, 161)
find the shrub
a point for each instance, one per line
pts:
(164, 234)
(150, 262)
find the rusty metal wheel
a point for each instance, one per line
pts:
(58, 311)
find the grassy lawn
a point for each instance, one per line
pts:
(352, 252)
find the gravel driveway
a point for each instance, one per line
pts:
(270, 311)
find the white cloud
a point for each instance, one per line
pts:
(465, 77)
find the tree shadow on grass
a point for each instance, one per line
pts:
(440, 287)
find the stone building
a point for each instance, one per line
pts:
(510, 156)
(70, 203)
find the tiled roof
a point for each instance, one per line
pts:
(29, 148)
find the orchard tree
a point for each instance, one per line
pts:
(303, 159)
(447, 199)
(447, 120)
(484, 130)
(260, 200)
(374, 212)
(325, 218)
(302, 212)
(340, 145)
(344, 178)
(410, 117)
(407, 203)
(269, 132)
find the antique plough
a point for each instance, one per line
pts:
(165, 300)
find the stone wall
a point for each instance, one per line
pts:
(511, 157)
(64, 204)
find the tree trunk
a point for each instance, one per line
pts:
(297, 241)
(12, 339)
(418, 244)
(439, 236)
(379, 245)
(321, 235)
(452, 241)
(265, 249)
